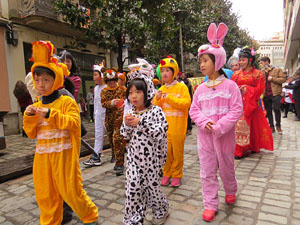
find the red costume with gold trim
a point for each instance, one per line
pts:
(252, 130)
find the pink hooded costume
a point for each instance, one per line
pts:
(222, 104)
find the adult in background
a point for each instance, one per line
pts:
(274, 78)
(233, 64)
(252, 130)
(295, 85)
(24, 98)
(67, 58)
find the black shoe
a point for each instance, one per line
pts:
(119, 170)
(237, 157)
(67, 213)
(112, 160)
(284, 116)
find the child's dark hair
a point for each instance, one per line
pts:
(265, 59)
(40, 69)
(139, 85)
(221, 71)
(74, 69)
(20, 90)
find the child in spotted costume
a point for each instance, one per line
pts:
(112, 98)
(145, 127)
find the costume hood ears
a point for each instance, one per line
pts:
(216, 35)
(100, 68)
(43, 56)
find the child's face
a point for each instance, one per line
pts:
(43, 83)
(97, 78)
(136, 97)
(68, 62)
(112, 83)
(166, 75)
(207, 66)
(121, 82)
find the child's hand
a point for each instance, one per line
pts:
(209, 126)
(42, 112)
(30, 110)
(243, 89)
(158, 95)
(120, 103)
(164, 95)
(135, 121)
(127, 119)
(117, 102)
(131, 120)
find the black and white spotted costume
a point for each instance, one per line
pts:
(147, 149)
(146, 156)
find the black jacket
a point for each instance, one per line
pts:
(295, 85)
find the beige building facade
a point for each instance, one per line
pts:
(21, 23)
(292, 35)
(274, 49)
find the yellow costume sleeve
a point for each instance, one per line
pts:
(30, 125)
(69, 119)
(182, 102)
(157, 102)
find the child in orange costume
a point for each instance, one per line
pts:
(55, 123)
(175, 100)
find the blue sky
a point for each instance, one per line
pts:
(252, 14)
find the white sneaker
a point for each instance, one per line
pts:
(92, 162)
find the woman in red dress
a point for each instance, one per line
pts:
(252, 130)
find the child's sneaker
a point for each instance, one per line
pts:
(119, 170)
(208, 215)
(176, 182)
(230, 199)
(165, 181)
(92, 162)
(160, 220)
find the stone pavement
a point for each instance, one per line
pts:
(268, 194)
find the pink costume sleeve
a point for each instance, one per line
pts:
(77, 83)
(195, 112)
(228, 121)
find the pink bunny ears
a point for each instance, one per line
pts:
(215, 34)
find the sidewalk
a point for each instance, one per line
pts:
(268, 191)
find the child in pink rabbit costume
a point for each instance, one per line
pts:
(216, 107)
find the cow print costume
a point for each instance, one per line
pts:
(147, 149)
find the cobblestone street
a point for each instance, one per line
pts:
(268, 192)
